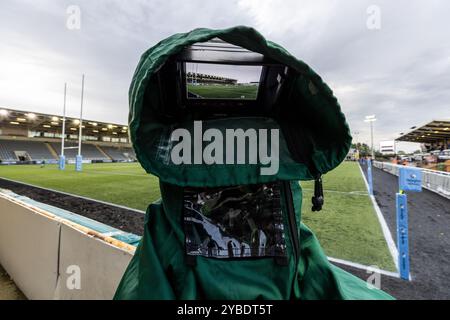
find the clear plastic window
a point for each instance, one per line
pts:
(234, 222)
(217, 81)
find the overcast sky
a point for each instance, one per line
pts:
(400, 71)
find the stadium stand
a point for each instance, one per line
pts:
(38, 151)
(119, 154)
(30, 137)
(9, 150)
(132, 154)
(89, 151)
(434, 137)
(208, 79)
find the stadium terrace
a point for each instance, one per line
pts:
(30, 137)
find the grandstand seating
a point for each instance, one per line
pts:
(89, 151)
(132, 155)
(119, 154)
(36, 150)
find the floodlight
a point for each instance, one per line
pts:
(3, 112)
(31, 116)
(370, 118)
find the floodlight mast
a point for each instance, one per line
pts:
(355, 139)
(371, 119)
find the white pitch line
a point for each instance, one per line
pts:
(115, 173)
(75, 195)
(384, 227)
(364, 267)
(355, 193)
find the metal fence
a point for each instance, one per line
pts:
(436, 181)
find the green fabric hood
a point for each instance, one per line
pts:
(308, 109)
(314, 138)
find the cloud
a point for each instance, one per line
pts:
(400, 72)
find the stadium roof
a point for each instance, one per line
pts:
(42, 122)
(221, 52)
(434, 131)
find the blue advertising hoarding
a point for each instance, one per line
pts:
(410, 179)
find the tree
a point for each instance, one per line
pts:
(364, 149)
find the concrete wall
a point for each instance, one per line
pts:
(45, 254)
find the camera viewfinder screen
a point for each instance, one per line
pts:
(216, 81)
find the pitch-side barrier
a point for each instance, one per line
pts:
(55, 254)
(436, 181)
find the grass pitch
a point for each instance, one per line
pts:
(225, 91)
(125, 184)
(347, 227)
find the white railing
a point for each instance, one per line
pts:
(436, 181)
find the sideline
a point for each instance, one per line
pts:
(364, 267)
(384, 227)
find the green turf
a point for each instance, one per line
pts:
(225, 92)
(120, 183)
(347, 227)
